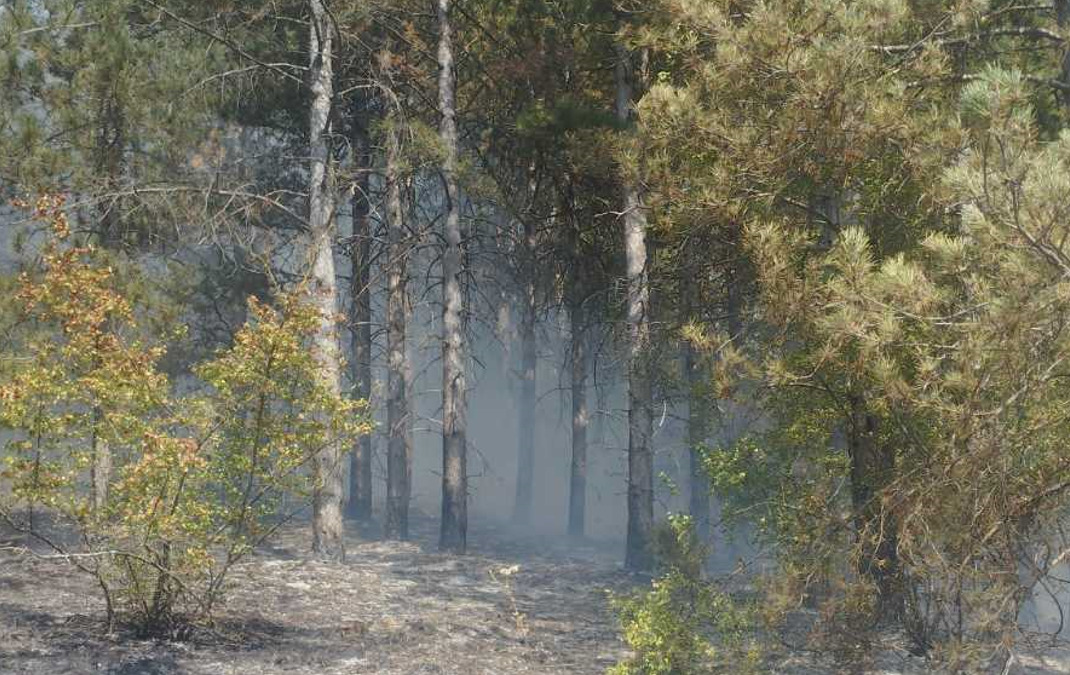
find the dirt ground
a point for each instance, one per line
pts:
(391, 608)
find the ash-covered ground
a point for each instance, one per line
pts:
(391, 608)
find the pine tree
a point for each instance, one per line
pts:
(638, 553)
(327, 533)
(454, 527)
(399, 443)
(359, 505)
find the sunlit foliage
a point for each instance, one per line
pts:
(200, 472)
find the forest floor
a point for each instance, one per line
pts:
(391, 609)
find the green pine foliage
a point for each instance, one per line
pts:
(893, 210)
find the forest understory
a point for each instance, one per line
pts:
(392, 608)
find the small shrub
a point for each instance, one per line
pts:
(180, 487)
(684, 623)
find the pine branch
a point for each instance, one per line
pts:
(229, 44)
(1024, 31)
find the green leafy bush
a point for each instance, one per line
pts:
(684, 623)
(156, 494)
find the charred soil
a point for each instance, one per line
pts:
(515, 604)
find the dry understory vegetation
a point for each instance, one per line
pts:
(519, 603)
(390, 608)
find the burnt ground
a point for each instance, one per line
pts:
(392, 608)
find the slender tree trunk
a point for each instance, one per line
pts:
(109, 160)
(110, 147)
(503, 324)
(397, 412)
(454, 527)
(595, 337)
(409, 373)
(506, 333)
(410, 409)
(528, 363)
(327, 539)
(359, 506)
(638, 556)
(1062, 16)
(577, 496)
(872, 468)
(726, 420)
(698, 429)
(579, 343)
(100, 466)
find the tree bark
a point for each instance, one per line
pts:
(110, 156)
(638, 555)
(872, 469)
(698, 430)
(579, 343)
(398, 489)
(327, 541)
(577, 496)
(360, 475)
(109, 160)
(100, 466)
(595, 340)
(454, 526)
(1062, 17)
(525, 470)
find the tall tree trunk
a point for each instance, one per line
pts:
(109, 159)
(410, 409)
(110, 150)
(872, 468)
(595, 343)
(397, 411)
(504, 329)
(327, 539)
(528, 363)
(638, 555)
(454, 527)
(359, 506)
(579, 343)
(1062, 17)
(698, 430)
(577, 495)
